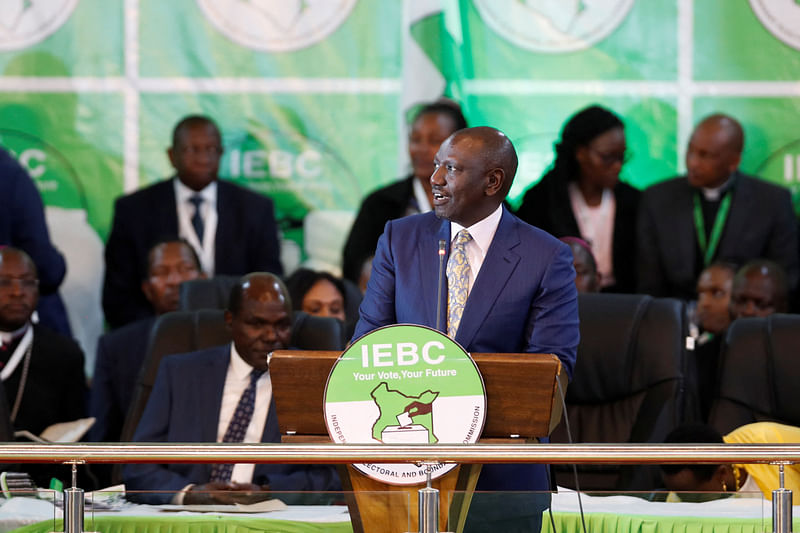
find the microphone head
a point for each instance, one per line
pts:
(442, 245)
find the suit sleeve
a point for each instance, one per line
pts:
(123, 300)
(306, 478)
(377, 308)
(649, 272)
(154, 427)
(783, 243)
(29, 231)
(553, 322)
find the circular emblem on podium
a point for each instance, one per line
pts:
(781, 18)
(404, 384)
(24, 23)
(273, 26)
(553, 26)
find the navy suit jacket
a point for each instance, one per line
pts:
(184, 407)
(523, 300)
(246, 241)
(120, 354)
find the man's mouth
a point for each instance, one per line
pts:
(439, 198)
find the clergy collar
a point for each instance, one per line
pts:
(714, 194)
(8, 337)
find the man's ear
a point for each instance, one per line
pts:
(494, 181)
(171, 156)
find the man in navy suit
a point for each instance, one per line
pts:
(232, 229)
(521, 291)
(196, 398)
(120, 353)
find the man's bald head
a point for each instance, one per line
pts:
(259, 316)
(714, 151)
(759, 289)
(474, 171)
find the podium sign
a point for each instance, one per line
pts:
(404, 384)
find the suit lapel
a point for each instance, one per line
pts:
(427, 248)
(167, 211)
(497, 267)
(737, 224)
(225, 227)
(211, 385)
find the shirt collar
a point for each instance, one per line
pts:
(423, 203)
(482, 231)
(714, 194)
(7, 337)
(183, 193)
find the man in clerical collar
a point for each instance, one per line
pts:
(713, 213)
(41, 371)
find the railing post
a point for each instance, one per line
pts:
(781, 507)
(428, 518)
(73, 505)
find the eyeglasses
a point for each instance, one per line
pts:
(25, 284)
(609, 158)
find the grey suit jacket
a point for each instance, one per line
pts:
(761, 224)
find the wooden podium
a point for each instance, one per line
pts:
(521, 392)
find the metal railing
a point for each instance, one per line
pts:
(778, 454)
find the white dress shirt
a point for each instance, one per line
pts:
(236, 381)
(482, 235)
(208, 211)
(596, 225)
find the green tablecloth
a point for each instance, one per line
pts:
(619, 523)
(108, 523)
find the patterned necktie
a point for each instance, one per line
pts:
(458, 272)
(197, 218)
(237, 427)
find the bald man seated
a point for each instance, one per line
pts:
(713, 213)
(759, 290)
(224, 394)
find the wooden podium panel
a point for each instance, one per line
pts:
(520, 402)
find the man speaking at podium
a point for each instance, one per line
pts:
(509, 288)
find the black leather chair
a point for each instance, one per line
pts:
(210, 293)
(759, 373)
(628, 385)
(187, 331)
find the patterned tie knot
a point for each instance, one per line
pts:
(255, 374)
(462, 238)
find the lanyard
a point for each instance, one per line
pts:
(708, 249)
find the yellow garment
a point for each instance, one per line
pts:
(766, 476)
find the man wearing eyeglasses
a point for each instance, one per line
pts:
(41, 371)
(232, 229)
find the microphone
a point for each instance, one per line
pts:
(442, 251)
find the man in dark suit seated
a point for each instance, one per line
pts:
(41, 371)
(224, 394)
(510, 288)
(232, 229)
(713, 213)
(120, 353)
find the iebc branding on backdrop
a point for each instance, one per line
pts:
(781, 18)
(276, 26)
(404, 384)
(553, 26)
(26, 22)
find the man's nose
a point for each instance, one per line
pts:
(436, 178)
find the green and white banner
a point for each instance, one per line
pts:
(313, 95)
(404, 384)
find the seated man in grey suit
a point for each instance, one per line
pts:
(714, 213)
(224, 394)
